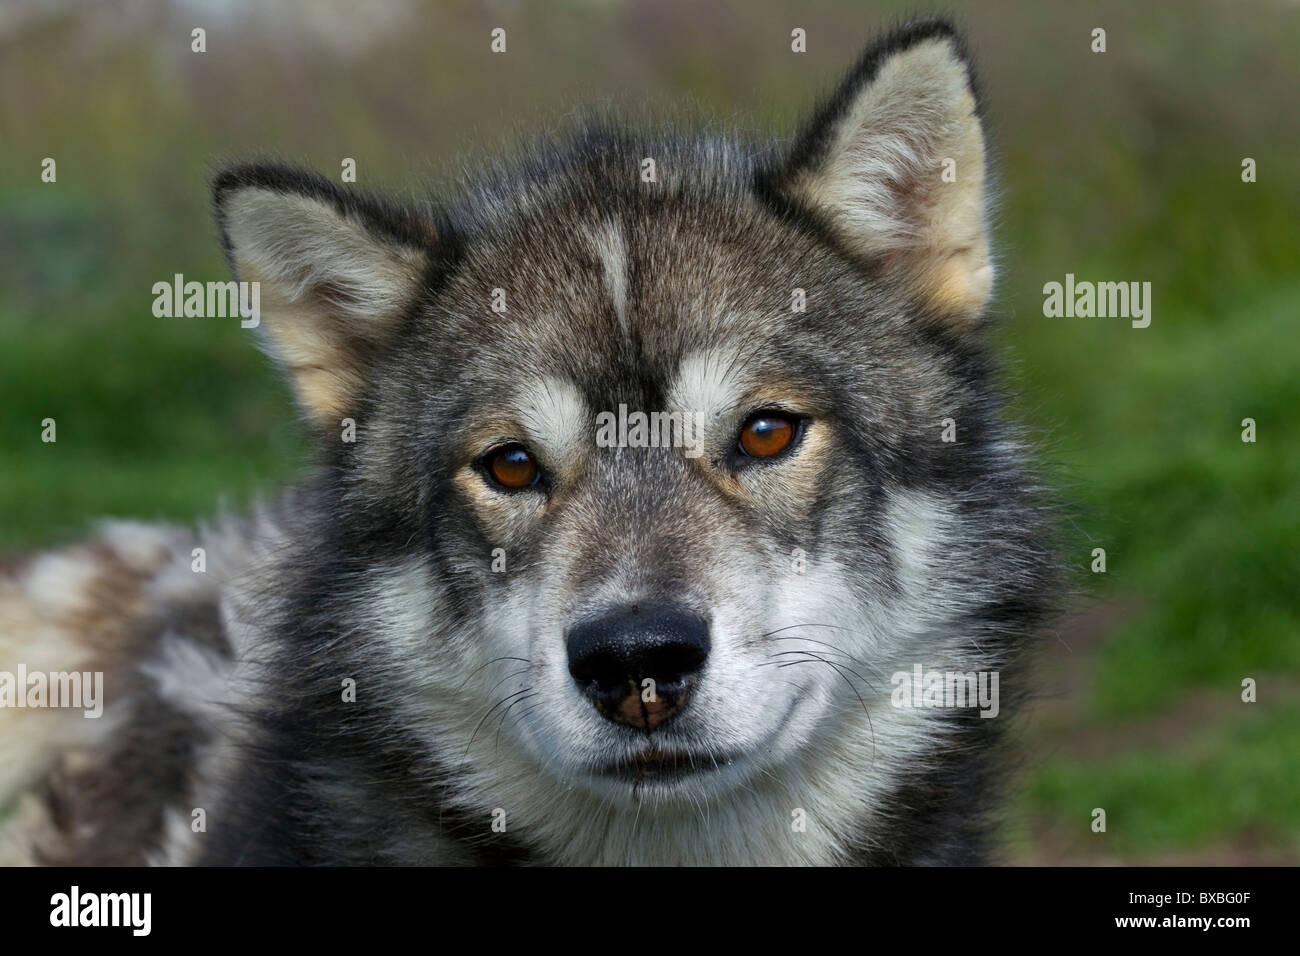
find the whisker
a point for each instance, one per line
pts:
(494, 660)
(856, 660)
(506, 713)
(512, 674)
(813, 659)
(489, 714)
(827, 661)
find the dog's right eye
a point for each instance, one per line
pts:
(512, 467)
(767, 434)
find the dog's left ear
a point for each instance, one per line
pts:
(894, 163)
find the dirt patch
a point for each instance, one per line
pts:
(1057, 720)
(1057, 724)
(1052, 847)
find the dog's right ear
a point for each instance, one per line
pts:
(336, 273)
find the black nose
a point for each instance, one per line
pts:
(613, 655)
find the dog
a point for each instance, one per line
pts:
(655, 476)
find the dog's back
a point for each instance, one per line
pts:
(133, 618)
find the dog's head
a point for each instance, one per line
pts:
(667, 453)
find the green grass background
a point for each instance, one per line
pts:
(1116, 166)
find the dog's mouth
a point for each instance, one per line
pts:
(665, 766)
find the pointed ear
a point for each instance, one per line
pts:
(878, 163)
(336, 274)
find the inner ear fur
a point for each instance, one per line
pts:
(894, 163)
(337, 272)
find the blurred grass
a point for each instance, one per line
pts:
(1120, 166)
(1232, 787)
(1192, 517)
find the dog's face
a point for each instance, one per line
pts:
(650, 463)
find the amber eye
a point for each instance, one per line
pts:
(511, 466)
(766, 434)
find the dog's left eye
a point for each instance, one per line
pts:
(512, 467)
(767, 434)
